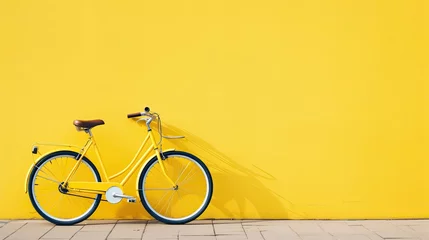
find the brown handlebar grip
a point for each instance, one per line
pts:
(131, 115)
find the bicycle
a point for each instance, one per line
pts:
(91, 189)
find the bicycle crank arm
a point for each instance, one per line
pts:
(115, 195)
(123, 196)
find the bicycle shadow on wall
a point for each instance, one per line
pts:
(235, 186)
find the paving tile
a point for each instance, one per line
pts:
(192, 230)
(127, 230)
(197, 238)
(231, 237)
(278, 232)
(318, 237)
(263, 222)
(31, 230)
(375, 237)
(9, 228)
(396, 234)
(420, 228)
(228, 229)
(85, 235)
(161, 231)
(361, 222)
(361, 230)
(62, 232)
(267, 235)
(253, 232)
(408, 222)
(306, 228)
(353, 237)
(200, 222)
(225, 221)
(378, 225)
(98, 222)
(131, 221)
(337, 228)
(123, 238)
(254, 235)
(156, 238)
(60, 238)
(284, 231)
(98, 227)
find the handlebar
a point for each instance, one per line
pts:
(149, 120)
(132, 115)
(138, 114)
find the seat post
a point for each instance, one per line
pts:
(88, 130)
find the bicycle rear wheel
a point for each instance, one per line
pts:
(54, 203)
(184, 203)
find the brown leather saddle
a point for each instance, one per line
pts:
(88, 124)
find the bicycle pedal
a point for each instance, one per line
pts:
(131, 200)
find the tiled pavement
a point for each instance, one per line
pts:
(219, 229)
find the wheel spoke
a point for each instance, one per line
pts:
(159, 189)
(165, 194)
(183, 170)
(184, 182)
(50, 179)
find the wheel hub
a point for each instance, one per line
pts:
(62, 189)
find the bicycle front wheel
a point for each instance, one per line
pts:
(53, 202)
(181, 204)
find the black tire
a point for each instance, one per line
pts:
(204, 205)
(36, 206)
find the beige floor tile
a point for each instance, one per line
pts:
(9, 228)
(396, 234)
(231, 237)
(353, 237)
(188, 230)
(96, 235)
(254, 235)
(272, 235)
(337, 228)
(98, 222)
(99, 227)
(317, 237)
(265, 222)
(124, 238)
(31, 230)
(197, 238)
(200, 222)
(62, 232)
(306, 228)
(127, 230)
(378, 225)
(228, 229)
(420, 228)
(225, 221)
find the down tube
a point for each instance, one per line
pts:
(135, 166)
(132, 162)
(160, 160)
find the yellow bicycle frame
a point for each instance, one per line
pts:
(94, 187)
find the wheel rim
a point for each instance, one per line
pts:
(182, 177)
(53, 179)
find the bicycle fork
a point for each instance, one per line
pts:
(160, 159)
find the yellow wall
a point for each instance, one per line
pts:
(301, 109)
